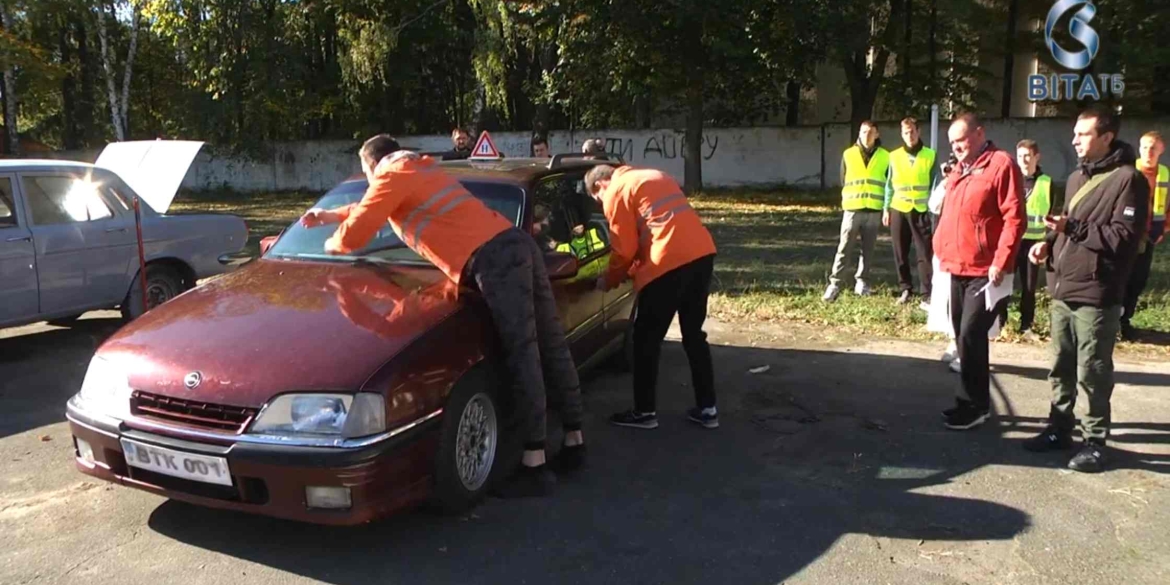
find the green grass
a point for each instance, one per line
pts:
(775, 251)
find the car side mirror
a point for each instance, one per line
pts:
(560, 265)
(266, 243)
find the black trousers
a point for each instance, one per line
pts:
(972, 322)
(1028, 275)
(684, 291)
(1138, 278)
(906, 228)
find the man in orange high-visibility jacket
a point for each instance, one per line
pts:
(434, 215)
(659, 241)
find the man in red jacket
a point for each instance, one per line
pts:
(977, 240)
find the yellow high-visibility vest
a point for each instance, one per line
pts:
(1039, 204)
(911, 182)
(1161, 186)
(865, 185)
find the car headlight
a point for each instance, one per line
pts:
(105, 389)
(336, 415)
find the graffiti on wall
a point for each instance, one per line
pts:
(667, 146)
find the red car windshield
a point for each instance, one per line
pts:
(309, 243)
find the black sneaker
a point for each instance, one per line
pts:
(637, 420)
(959, 405)
(569, 459)
(528, 482)
(696, 415)
(1050, 439)
(966, 417)
(1091, 459)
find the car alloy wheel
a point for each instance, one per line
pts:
(475, 441)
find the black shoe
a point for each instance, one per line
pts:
(1050, 439)
(528, 482)
(637, 420)
(1091, 459)
(710, 421)
(960, 404)
(967, 417)
(569, 459)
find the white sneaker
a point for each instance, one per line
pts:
(831, 293)
(956, 367)
(951, 354)
(861, 289)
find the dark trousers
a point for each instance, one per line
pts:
(684, 291)
(972, 322)
(1028, 276)
(906, 228)
(1138, 278)
(510, 274)
(1083, 337)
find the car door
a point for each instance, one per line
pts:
(82, 242)
(561, 197)
(18, 271)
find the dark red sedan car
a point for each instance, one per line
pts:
(338, 389)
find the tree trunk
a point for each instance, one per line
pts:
(125, 102)
(906, 50)
(1009, 59)
(693, 154)
(85, 98)
(11, 101)
(111, 83)
(70, 139)
(792, 111)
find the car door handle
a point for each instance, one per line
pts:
(112, 230)
(20, 239)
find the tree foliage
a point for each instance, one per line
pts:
(241, 73)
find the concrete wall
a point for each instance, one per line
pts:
(731, 156)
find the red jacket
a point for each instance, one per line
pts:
(983, 217)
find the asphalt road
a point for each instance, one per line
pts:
(830, 467)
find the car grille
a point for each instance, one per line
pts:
(191, 412)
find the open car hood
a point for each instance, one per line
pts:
(153, 168)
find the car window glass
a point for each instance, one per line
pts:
(563, 213)
(57, 199)
(7, 206)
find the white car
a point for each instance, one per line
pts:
(68, 238)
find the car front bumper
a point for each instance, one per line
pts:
(383, 477)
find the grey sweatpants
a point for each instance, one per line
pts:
(510, 274)
(854, 225)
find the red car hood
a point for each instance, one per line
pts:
(278, 326)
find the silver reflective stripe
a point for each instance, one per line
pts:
(424, 223)
(865, 182)
(1164, 185)
(660, 220)
(432, 200)
(665, 200)
(913, 188)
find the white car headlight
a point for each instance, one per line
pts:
(106, 389)
(337, 415)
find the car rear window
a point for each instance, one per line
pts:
(299, 241)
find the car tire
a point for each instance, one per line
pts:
(471, 444)
(163, 283)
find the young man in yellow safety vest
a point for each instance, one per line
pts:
(1038, 193)
(1150, 149)
(904, 211)
(864, 167)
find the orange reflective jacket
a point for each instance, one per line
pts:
(430, 211)
(653, 228)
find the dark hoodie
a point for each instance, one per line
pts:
(1090, 263)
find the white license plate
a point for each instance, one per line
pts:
(177, 463)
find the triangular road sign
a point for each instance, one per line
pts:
(485, 148)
